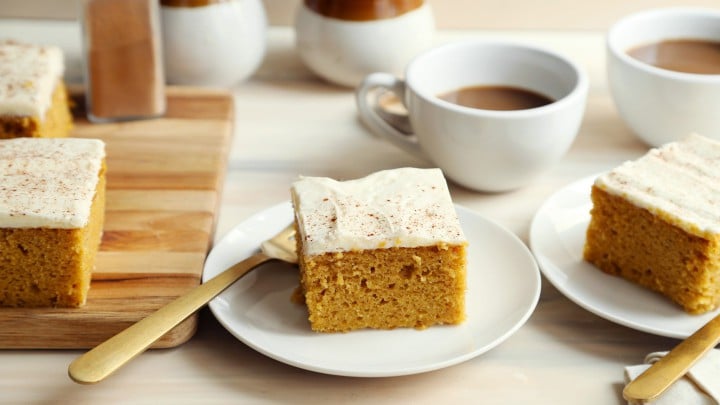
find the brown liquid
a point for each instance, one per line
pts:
(362, 10)
(189, 3)
(496, 98)
(681, 55)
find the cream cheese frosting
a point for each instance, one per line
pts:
(48, 182)
(28, 75)
(680, 180)
(404, 207)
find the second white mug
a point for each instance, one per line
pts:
(662, 105)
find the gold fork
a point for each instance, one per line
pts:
(103, 360)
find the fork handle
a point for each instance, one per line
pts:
(104, 359)
(656, 379)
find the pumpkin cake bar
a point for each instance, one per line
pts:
(52, 206)
(656, 222)
(33, 99)
(383, 252)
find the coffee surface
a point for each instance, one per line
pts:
(362, 10)
(681, 55)
(496, 98)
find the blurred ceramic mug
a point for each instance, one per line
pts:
(342, 41)
(487, 146)
(659, 104)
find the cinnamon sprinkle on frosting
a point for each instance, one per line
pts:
(28, 76)
(680, 180)
(404, 207)
(48, 182)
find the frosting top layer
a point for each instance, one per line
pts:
(404, 207)
(28, 75)
(48, 182)
(678, 181)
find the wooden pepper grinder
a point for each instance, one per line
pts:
(124, 74)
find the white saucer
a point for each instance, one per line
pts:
(557, 237)
(503, 289)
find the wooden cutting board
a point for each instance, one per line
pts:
(164, 181)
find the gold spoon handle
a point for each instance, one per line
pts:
(656, 379)
(103, 360)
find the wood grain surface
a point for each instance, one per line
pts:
(164, 178)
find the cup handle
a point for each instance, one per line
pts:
(378, 124)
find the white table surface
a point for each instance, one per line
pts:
(288, 123)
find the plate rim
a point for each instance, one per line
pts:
(531, 273)
(563, 288)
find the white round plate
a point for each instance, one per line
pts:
(557, 237)
(503, 289)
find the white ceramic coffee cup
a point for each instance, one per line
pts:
(484, 150)
(661, 105)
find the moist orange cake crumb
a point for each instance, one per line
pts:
(33, 98)
(656, 222)
(52, 207)
(383, 252)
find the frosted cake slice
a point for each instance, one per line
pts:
(52, 206)
(385, 251)
(33, 99)
(656, 221)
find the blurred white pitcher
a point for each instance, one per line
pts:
(212, 42)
